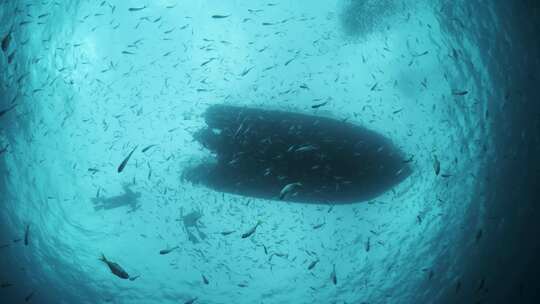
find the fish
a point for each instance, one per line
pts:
(5, 285)
(125, 161)
(279, 255)
(478, 235)
(27, 235)
(251, 231)
(208, 61)
(424, 83)
(459, 93)
(7, 110)
(289, 61)
(481, 285)
(169, 250)
(288, 189)
(313, 264)
(410, 159)
(220, 16)
(93, 170)
(11, 57)
(205, 280)
(239, 128)
(191, 301)
(333, 276)
(316, 106)
(421, 54)
(246, 71)
(225, 233)
(29, 296)
(169, 31)
(318, 226)
(136, 9)
(116, 269)
(368, 244)
(306, 148)
(436, 165)
(6, 41)
(148, 148)
(4, 149)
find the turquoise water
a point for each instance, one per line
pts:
(92, 80)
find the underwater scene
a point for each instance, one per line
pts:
(212, 152)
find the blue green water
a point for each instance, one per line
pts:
(91, 80)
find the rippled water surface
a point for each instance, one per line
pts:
(101, 103)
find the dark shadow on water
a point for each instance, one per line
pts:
(259, 152)
(128, 198)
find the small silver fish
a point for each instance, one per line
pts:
(136, 9)
(169, 250)
(288, 189)
(333, 276)
(436, 165)
(27, 235)
(251, 231)
(306, 148)
(313, 264)
(125, 161)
